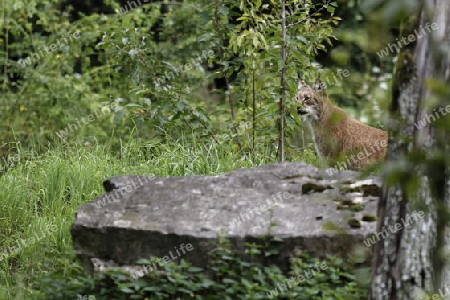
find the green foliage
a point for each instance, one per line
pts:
(58, 87)
(256, 41)
(154, 81)
(161, 76)
(233, 279)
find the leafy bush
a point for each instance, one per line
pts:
(233, 279)
(148, 70)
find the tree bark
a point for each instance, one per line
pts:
(411, 260)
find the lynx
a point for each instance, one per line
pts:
(337, 137)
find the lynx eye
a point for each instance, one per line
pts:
(307, 100)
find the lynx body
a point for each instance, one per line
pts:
(338, 138)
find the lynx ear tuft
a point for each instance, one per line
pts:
(319, 86)
(301, 84)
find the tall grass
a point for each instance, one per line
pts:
(40, 190)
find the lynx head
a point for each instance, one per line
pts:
(311, 99)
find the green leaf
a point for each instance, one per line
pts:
(301, 38)
(195, 269)
(127, 290)
(255, 41)
(228, 280)
(280, 64)
(224, 10)
(152, 289)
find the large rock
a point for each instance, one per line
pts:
(142, 216)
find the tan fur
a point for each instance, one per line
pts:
(338, 138)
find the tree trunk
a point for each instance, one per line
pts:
(410, 260)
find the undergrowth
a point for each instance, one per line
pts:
(232, 279)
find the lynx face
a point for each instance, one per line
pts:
(310, 99)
